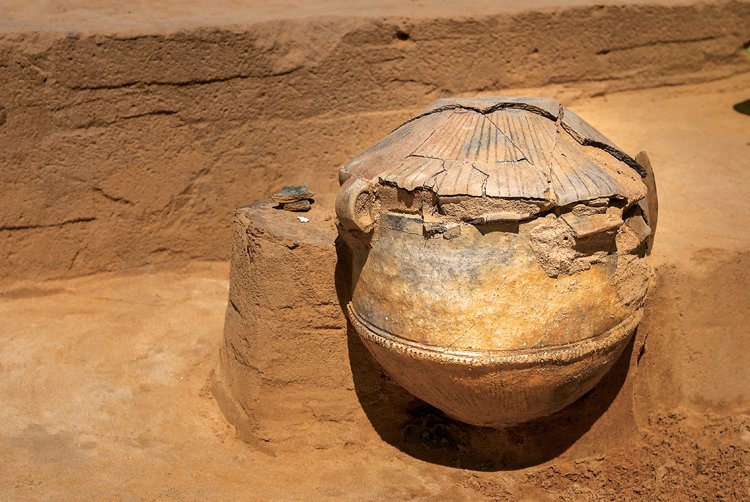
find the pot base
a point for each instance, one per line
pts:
(497, 388)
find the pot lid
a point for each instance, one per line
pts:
(500, 147)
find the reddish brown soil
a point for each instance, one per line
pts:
(105, 378)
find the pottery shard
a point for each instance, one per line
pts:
(542, 106)
(587, 135)
(640, 227)
(291, 194)
(300, 205)
(583, 226)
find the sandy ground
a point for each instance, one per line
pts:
(104, 378)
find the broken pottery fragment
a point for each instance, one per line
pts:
(299, 205)
(498, 252)
(294, 198)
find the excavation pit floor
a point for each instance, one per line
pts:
(106, 391)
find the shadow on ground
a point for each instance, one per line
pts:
(742, 107)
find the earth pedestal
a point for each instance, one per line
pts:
(284, 364)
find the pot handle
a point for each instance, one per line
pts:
(354, 204)
(651, 209)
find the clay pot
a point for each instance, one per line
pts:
(498, 255)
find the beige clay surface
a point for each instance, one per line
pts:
(104, 378)
(137, 16)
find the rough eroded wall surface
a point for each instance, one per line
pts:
(121, 150)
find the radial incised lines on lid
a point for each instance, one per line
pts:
(507, 153)
(535, 133)
(516, 179)
(576, 178)
(471, 137)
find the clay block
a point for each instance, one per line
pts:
(284, 364)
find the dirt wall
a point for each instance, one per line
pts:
(127, 148)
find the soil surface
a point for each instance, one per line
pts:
(131, 130)
(105, 397)
(118, 16)
(105, 378)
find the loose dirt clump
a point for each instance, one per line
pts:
(678, 456)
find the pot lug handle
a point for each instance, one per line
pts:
(651, 209)
(355, 204)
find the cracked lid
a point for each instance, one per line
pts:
(527, 148)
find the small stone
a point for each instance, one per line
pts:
(583, 226)
(660, 473)
(300, 205)
(292, 193)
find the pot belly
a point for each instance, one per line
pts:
(474, 326)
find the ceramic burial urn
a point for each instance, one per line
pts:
(498, 252)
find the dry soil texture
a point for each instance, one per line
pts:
(105, 379)
(130, 130)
